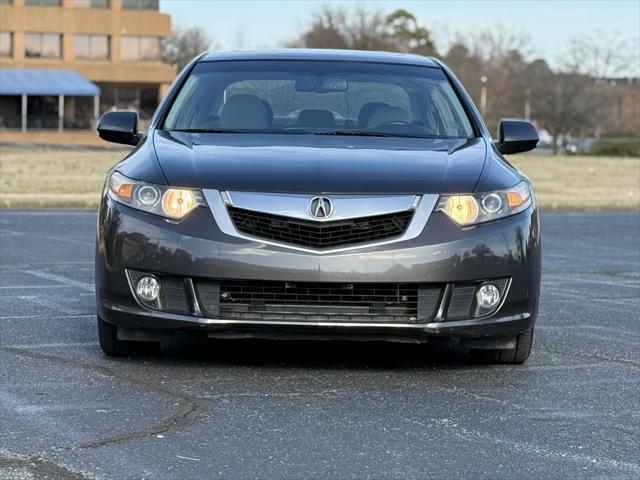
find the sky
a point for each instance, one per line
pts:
(549, 24)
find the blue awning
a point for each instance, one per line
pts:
(19, 81)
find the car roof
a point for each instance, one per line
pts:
(320, 55)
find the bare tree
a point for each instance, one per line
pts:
(363, 29)
(183, 45)
(499, 56)
(574, 100)
(493, 45)
(335, 27)
(603, 54)
(559, 101)
(468, 66)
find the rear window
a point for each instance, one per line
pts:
(319, 97)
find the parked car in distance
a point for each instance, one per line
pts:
(318, 195)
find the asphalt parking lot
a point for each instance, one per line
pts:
(240, 409)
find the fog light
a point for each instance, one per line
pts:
(488, 295)
(148, 288)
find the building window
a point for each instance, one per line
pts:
(54, 3)
(78, 112)
(140, 98)
(91, 47)
(140, 48)
(10, 111)
(91, 3)
(42, 45)
(6, 44)
(42, 112)
(140, 4)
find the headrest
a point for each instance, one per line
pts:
(244, 111)
(366, 110)
(384, 114)
(316, 118)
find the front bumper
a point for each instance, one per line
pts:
(442, 254)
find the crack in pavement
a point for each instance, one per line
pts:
(187, 410)
(577, 353)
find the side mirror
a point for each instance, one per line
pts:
(119, 127)
(516, 136)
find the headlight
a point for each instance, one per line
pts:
(484, 207)
(173, 203)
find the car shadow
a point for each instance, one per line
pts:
(327, 354)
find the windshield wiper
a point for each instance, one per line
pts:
(361, 133)
(209, 130)
(350, 133)
(288, 131)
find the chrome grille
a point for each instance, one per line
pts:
(320, 235)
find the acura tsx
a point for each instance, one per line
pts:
(318, 195)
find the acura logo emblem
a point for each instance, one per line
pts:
(321, 207)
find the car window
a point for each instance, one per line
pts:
(284, 98)
(450, 113)
(182, 109)
(319, 97)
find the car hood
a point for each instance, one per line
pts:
(319, 164)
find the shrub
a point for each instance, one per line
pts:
(616, 148)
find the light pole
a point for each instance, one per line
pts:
(527, 105)
(483, 95)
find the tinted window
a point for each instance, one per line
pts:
(140, 48)
(140, 98)
(94, 47)
(42, 45)
(140, 4)
(300, 96)
(91, 3)
(284, 98)
(11, 108)
(6, 44)
(42, 2)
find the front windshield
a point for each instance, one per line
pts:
(319, 97)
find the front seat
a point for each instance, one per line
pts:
(244, 111)
(386, 114)
(316, 119)
(366, 111)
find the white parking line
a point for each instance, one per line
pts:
(69, 240)
(589, 327)
(47, 303)
(61, 279)
(576, 331)
(66, 213)
(39, 287)
(52, 345)
(48, 317)
(593, 302)
(636, 284)
(9, 233)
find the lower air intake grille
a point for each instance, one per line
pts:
(305, 301)
(320, 235)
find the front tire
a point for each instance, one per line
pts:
(108, 337)
(506, 356)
